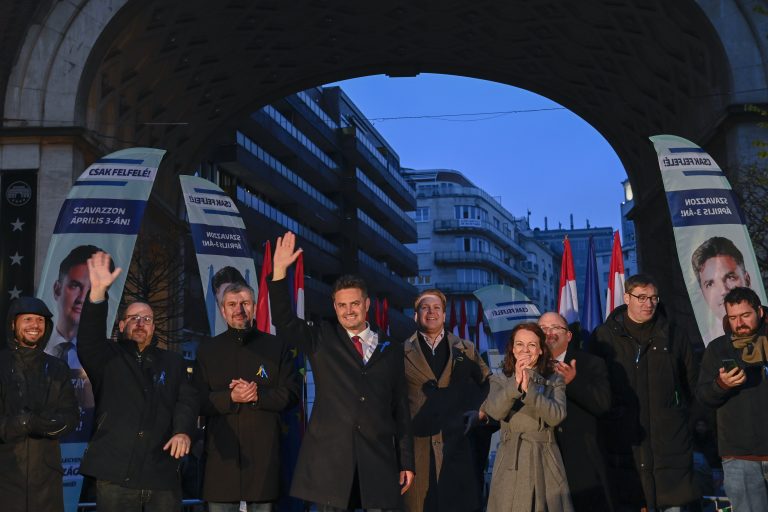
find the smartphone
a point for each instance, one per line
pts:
(729, 364)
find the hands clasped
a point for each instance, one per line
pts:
(243, 392)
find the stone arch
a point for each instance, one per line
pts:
(94, 75)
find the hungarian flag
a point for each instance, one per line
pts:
(568, 301)
(463, 320)
(385, 316)
(615, 295)
(263, 311)
(453, 326)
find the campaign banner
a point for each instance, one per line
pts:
(102, 212)
(504, 307)
(221, 244)
(713, 244)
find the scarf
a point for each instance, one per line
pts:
(753, 347)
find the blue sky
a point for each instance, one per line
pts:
(550, 162)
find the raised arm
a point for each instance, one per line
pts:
(92, 348)
(289, 327)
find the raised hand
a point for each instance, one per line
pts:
(285, 255)
(100, 276)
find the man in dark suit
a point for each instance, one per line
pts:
(358, 449)
(588, 395)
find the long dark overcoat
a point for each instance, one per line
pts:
(242, 442)
(438, 404)
(588, 397)
(650, 450)
(30, 465)
(360, 419)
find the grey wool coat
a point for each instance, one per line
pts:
(528, 474)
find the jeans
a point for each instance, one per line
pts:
(746, 484)
(112, 497)
(235, 507)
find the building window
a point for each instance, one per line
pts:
(422, 214)
(469, 212)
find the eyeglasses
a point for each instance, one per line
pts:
(642, 298)
(146, 319)
(553, 329)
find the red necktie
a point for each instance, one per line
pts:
(358, 345)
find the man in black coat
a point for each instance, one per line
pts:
(245, 378)
(146, 408)
(37, 407)
(652, 375)
(588, 396)
(734, 380)
(358, 449)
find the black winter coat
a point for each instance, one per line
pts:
(742, 412)
(360, 419)
(138, 408)
(32, 382)
(650, 452)
(243, 440)
(588, 398)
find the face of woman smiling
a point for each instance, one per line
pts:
(526, 348)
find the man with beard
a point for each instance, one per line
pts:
(37, 406)
(652, 375)
(446, 378)
(734, 380)
(245, 378)
(588, 396)
(146, 408)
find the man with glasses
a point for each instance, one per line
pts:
(652, 376)
(146, 408)
(588, 396)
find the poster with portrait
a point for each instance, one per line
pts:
(102, 212)
(713, 244)
(221, 244)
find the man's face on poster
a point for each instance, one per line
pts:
(69, 293)
(719, 275)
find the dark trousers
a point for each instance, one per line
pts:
(111, 497)
(354, 501)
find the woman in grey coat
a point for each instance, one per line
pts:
(528, 398)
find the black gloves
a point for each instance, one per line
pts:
(41, 426)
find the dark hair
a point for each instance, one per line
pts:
(226, 275)
(639, 280)
(544, 365)
(79, 256)
(742, 294)
(349, 281)
(715, 246)
(237, 288)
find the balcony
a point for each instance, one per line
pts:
(382, 280)
(388, 214)
(385, 248)
(504, 239)
(455, 288)
(480, 258)
(529, 267)
(384, 174)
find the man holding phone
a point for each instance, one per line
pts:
(734, 380)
